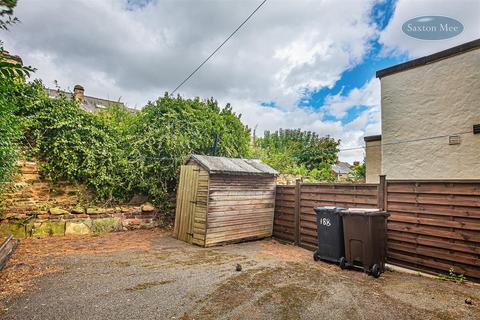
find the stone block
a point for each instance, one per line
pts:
(148, 207)
(42, 229)
(78, 210)
(9, 216)
(95, 211)
(82, 227)
(103, 225)
(16, 229)
(58, 211)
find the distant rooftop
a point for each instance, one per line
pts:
(341, 168)
(233, 166)
(88, 103)
(7, 56)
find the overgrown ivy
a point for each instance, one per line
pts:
(116, 153)
(10, 130)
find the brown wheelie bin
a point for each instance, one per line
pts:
(365, 236)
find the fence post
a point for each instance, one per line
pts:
(382, 192)
(298, 186)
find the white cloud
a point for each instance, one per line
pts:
(368, 95)
(288, 48)
(396, 42)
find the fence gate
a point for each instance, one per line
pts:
(186, 198)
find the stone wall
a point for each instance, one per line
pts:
(36, 207)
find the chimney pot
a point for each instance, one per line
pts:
(78, 93)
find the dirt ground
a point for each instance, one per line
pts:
(149, 275)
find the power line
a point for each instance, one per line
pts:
(219, 47)
(325, 151)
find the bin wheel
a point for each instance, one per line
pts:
(375, 271)
(315, 256)
(342, 263)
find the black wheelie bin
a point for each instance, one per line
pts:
(330, 235)
(365, 237)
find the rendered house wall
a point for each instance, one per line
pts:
(437, 99)
(373, 161)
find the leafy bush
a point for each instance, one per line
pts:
(299, 152)
(118, 153)
(10, 129)
(170, 129)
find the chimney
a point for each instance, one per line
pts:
(78, 93)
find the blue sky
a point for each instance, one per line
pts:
(361, 73)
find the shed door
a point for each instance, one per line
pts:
(186, 198)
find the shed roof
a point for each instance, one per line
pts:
(233, 166)
(341, 168)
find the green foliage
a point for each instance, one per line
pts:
(170, 129)
(117, 152)
(299, 152)
(10, 129)
(73, 145)
(452, 276)
(8, 68)
(358, 173)
(6, 12)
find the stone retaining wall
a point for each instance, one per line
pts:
(35, 207)
(59, 222)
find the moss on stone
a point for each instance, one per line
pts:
(16, 229)
(58, 211)
(95, 211)
(106, 225)
(78, 227)
(42, 229)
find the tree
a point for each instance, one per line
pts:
(358, 172)
(170, 129)
(297, 152)
(10, 68)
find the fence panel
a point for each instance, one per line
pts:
(294, 216)
(284, 217)
(434, 225)
(330, 194)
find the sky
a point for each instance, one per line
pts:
(306, 64)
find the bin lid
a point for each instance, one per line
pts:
(327, 208)
(364, 212)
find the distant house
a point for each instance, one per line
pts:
(341, 170)
(430, 118)
(6, 56)
(88, 103)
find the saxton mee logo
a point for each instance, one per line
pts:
(432, 27)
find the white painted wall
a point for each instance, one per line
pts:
(436, 99)
(373, 161)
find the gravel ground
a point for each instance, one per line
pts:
(149, 275)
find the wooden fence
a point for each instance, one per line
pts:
(295, 219)
(433, 225)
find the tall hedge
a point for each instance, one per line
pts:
(118, 153)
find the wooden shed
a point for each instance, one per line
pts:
(224, 200)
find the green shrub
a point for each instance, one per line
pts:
(118, 153)
(10, 129)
